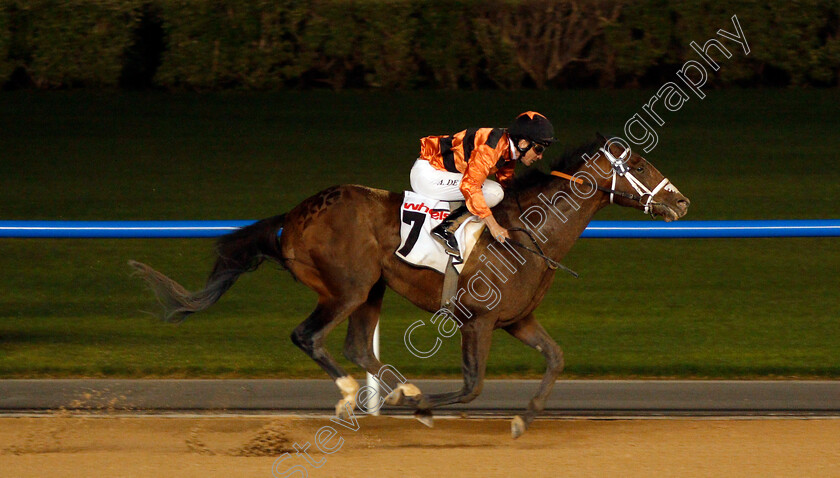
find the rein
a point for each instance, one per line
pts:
(609, 191)
(551, 263)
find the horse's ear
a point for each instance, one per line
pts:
(601, 138)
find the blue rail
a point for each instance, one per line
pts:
(713, 229)
(118, 229)
(596, 229)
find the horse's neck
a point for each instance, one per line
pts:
(567, 214)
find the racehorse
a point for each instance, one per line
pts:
(341, 243)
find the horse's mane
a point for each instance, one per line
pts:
(569, 161)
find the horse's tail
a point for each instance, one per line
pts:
(238, 252)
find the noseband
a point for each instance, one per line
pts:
(644, 195)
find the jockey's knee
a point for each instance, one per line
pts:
(493, 193)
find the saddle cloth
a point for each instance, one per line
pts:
(418, 215)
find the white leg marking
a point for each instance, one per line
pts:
(348, 387)
(409, 389)
(402, 390)
(517, 427)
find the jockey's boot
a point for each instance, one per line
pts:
(445, 231)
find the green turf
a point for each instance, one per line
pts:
(671, 308)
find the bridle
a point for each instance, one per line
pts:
(643, 196)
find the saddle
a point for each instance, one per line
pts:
(418, 215)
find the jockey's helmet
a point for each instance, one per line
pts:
(533, 127)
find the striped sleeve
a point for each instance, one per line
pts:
(478, 168)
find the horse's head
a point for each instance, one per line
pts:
(639, 184)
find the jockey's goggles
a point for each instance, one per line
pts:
(539, 148)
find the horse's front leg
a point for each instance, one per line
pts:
(531, 333)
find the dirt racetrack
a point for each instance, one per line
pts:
(205, 447)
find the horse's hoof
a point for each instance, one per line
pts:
(425, 417)
(342, 409)
(517, 427)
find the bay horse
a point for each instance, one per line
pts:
(341, 243)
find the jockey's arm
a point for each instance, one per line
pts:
(476, 173)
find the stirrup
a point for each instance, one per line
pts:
(450, 244)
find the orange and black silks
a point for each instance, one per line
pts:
(475, 153)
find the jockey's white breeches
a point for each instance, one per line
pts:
(445, 186)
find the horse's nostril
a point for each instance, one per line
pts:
(684, 203)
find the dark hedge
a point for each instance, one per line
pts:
(406, 44)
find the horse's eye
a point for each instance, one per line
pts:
(640, 169)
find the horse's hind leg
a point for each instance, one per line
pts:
(309, 336)
(531, 333)
(476, 338)
(358, 346)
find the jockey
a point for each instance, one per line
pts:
(456, 167)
